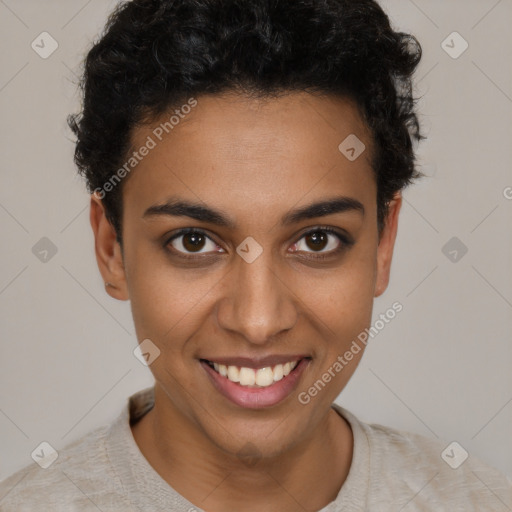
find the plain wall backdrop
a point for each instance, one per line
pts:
(441, 368)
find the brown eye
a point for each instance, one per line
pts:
(193, 242)
(316, 240)
(319, 241)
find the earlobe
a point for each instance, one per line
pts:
(108, 251)
(387, 244)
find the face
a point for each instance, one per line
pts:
(250, 248)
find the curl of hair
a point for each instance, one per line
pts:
(154, 54)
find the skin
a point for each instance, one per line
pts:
(255, 160)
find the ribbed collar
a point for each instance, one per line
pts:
(148, 491)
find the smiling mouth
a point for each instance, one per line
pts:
(254, 377)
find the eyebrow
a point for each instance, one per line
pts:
(181, 208)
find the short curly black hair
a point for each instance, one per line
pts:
(154, 54)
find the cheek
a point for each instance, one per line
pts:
(163, 298)
(166, 304)
(342, 311)
(343, 299)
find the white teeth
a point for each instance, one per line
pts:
(262, 377)
(233, 374)
(278, 372)
(247, 376)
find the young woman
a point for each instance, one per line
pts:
(245, 160)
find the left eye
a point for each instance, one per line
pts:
(320, 240)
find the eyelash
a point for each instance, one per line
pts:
(345, 243)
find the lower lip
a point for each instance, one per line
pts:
(256, 398)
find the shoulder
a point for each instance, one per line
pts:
(81, 478)
(408, 469)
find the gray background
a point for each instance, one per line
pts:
(441, 368)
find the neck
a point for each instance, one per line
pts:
(214, 480)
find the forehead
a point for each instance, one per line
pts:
(262, 152)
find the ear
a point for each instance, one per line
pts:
(387, 244)
(108, 251)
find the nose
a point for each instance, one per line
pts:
(258, 304)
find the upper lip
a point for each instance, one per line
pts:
(255, 362)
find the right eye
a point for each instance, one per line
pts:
(192, 241)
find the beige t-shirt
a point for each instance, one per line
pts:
(391, 470)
